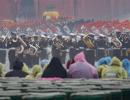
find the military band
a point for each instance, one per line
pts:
(30, 48)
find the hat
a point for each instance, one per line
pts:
(72, 34)
(43, 35)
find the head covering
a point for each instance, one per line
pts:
(80, 57)
(81, 68)
(71, 61)
(17, 70)
(25, 69)
(102, 65)
(36, 70)
(126, 65)
(115, 71)
(104, 61)
(116, 62)
(55, 69)
(17, 65)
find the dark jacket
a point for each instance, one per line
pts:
(16, 73)
(55, 69)
(17, 70)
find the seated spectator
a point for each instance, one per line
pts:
(55, 69)
(126, 66)
(26, 69)
(81, 68)
(17, 70)
(71, 61)
(106, 60)
(115, 71)
(36, 73)
(1, 70)
(102, 64)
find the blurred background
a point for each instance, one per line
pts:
(18, 10)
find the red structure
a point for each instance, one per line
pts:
(7, 10)
(97, 9)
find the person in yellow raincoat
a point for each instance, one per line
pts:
(1, 70)
(25, 68)
(115, 70)
(36, 73)
(102, 64)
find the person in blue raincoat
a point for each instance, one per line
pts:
(126, 65)
(102, 64)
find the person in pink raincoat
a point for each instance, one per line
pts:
(81, 68)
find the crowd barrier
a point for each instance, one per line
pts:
(92, 55)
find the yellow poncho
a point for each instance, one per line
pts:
(115, 71)
(36, 72)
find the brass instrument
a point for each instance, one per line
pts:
(88, 42)
(58, 43)
(33, 49)
(2, 38)
(26, 51)
(19, 50)
(116, 42)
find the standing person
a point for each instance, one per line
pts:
(81, 68)
(58, 48)
(13, 43)
(72, 45)
(17, 70)
(35, 50)
(43, 44)
(55, 69)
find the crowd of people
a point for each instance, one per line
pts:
(62, 40)
(77, 67)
